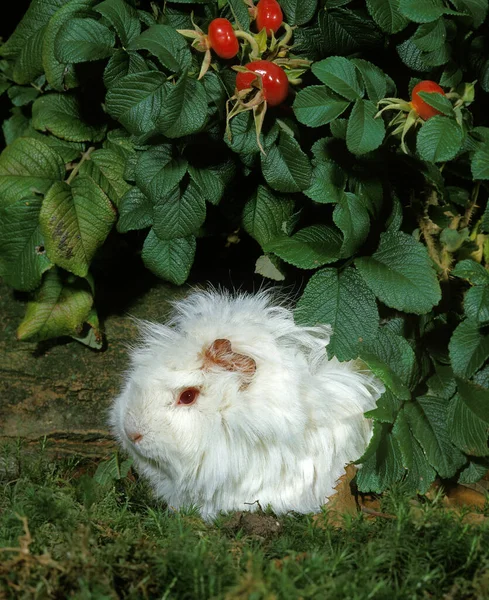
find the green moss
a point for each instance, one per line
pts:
(92, 540)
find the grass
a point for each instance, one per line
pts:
(66, 534)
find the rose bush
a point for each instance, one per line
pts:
(363, 142)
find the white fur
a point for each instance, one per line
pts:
(283, 440)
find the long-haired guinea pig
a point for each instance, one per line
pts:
(231, 405)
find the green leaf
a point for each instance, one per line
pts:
(472, 271)
(28, 165)
(328, 182)
(309, 248)
(286, 168)
(298, 12)
(82, 40)
(388, 406)
(467, 431)
(384, 467)
(28, 65)
(427, 418)
(442, 384)
(400, 274)
(476, 304)
(61, 76)
(423, 11)
(480, 163)
(240, 13)
(266, 266)
(387, 15)
(242, 137)
(374, 79)
(412, 56)
(106, 168)
(61, 115)
(157, 173)
(477, 9)
(69, 151)
(439, 139)
(185, 108)
(169, 47)
(179, 214)
(36, 17)
(340, 299)
(468, 349)
(59, 308)
(212, 180)
(110, 470)
(395, 352)
(22, 255)
(316, 105)
(384, 372)
(346, 31)
(123, 63)
(21, 95)
(135, 211)
(136, 101)
(91, 334)
(364, 133)
(475, 470)
(430, 36)
(438, 101)
(75, 220)
(420, 473)
(266, 216)
(476, 398)
(352, 218)
(339, 74)
(169, 259)
(123, 18)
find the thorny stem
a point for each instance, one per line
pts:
(85, 156)
(472, 205)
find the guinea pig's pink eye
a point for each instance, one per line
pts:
(188, 396)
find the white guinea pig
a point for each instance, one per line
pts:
(232, 405)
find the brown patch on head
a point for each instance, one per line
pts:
(220, 354)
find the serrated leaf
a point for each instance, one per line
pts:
(384, 372)
(420, 473)
(179, 214)
(480, 163)
(59, 308)
(157, 173)
(477, 9)
(28, 65)
(212, 180)
(412, 56)
(21, 95)
(106, 168)
(394, 351)
(438, 101)
(83, 40)
(340, 75)
(240, 13)
(28, 165)
(328, 183)
(112, 470)
(61, 115)
(36, 17)
(340, 299)
(265, 267)
(400, 274)
(123, 18)
(266, 216)
(364, 133)
(352, 218)
(136, 101)
(91, 334)
(135, 211)
(442, 384)
(61, 76)
(424, 11)
(242, 138)
(472, 271)
(476, 304)
(468, 349)
(346, 31)
(476, 398)
(388, 406)
(374, 79)
(384, 467)
(439, 139)
(298, 12)
(22, 255)
(474, 471)
(430, 36)
(169, 259)
(387, 15)
(69, 151)
(123, 63)
(309, 248)
(185, 108)
(169, 47)
(286, 168)
(75, 220)
(467, 431)
(427, 418)
(316, 105)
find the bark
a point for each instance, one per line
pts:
(59, 391)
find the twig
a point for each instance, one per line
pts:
(85, 156)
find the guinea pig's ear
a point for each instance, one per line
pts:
(220, 354)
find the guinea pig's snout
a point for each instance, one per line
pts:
(134, 436)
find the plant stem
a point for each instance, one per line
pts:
(255, 50)
(85, 156)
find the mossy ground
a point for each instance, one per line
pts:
(64, 535)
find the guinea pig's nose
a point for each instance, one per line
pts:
(134, 436)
